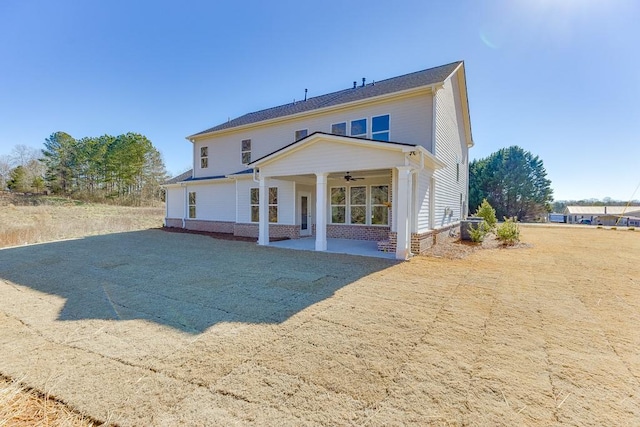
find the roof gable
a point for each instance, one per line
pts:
(414, 80)
(310, 139)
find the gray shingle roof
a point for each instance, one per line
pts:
(383, 87)
(188, 176)
(179, 178)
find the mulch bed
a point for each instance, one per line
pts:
(221, 236)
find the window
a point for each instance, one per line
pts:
(380, 205)
(255, 204)
(204, 157)
(380, 128)
(358, 204)
(246, 151)
(359, 128)
(192, 204)
(338, 205)
(301, 134)
(273, 204)
(339, 128)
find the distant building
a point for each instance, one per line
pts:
(604, 215)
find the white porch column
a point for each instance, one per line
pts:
(403, 239)
(263, 209)
(321, 212)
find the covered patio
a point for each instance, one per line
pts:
(317, 159)
(338, 246)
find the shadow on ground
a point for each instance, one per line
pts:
(184, 281)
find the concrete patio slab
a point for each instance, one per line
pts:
(337, 246)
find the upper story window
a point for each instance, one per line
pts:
(339, 128)
(380, 128)
(359, 128)
(246, 151)
(204, 157)
(302, 133)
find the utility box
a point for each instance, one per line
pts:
(466, 224)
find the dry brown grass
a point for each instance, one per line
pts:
(20, 225)
(158, 328)
(22, 407)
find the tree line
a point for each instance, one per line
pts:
(513, 181)
(124, 169)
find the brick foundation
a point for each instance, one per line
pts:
(421, 242)
(212, 226)
(173, 222)
(356, 232)
(275, 230)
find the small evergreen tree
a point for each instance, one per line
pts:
(486, 212)
(18, 180)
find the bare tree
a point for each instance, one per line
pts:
(5, 170)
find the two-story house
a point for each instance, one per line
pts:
(385, 161)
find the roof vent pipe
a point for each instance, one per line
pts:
(355, 84)
(305, 94)
(363, 80)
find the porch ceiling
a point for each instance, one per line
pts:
(310, 179)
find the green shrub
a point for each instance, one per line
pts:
(508, 232)
(478, 232)
(631, 228)
(614, 228)
(486, 212)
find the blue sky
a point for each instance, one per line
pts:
(557, 77)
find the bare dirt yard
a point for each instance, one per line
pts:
(156, 328)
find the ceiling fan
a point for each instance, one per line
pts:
(348, 177)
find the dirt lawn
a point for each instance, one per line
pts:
(156, 328)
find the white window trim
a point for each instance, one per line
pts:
(371, 205)
(300, 130)
(242, 152)
(366, 130)
(204, 157)
(347, 205)
(331, 205)
(388, 130)
(194, 205)
(346, 130)
(251, 205)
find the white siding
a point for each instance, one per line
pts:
(286, 200)
(410, 122)
(215, 201)
(422, 196)
(175, 202)
(451, 148)
(328, 156)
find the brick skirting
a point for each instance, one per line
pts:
(275, 230)
(173, 222)
(420, 242)
(212, 226)
(357, 232)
